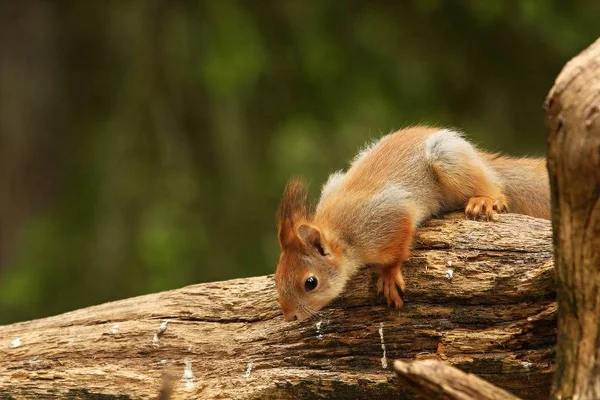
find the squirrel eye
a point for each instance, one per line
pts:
(310, 283)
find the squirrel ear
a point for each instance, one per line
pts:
(309, 234)
(291, 210)
(313, 237)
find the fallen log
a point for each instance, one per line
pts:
(480, 296)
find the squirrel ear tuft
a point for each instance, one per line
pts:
(292, 210)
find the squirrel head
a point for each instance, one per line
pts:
(309, 273)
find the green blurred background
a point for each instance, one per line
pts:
(144, 144)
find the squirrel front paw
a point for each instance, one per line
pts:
(390, 282)
(484, 207)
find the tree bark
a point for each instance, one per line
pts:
(573, 122)
(495, 317)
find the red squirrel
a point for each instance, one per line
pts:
(368, 214)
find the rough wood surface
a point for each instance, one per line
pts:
(437, 380)
(573, 121)
(495, 317)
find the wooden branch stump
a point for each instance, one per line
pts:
(495, 318)
(573, 121)
(436, 379)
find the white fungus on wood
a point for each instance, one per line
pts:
(319, 334)
(188, 375)
(34, 362)
(248, 370)
(161, 329)
(114, 329)
(449, 274)
(384, 358)
(15, 343)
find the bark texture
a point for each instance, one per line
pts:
(495, 317)
(573, 122)
(437, 380)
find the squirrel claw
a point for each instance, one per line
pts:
(500, 205)
(392, 284)
(485, 208)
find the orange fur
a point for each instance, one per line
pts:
(368, 214)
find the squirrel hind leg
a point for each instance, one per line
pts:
(464, 175)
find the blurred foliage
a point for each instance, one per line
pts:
(144, 144)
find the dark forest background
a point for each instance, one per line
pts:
(144, 144)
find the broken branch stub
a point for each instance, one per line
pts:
(437, 380)
(494, 318)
